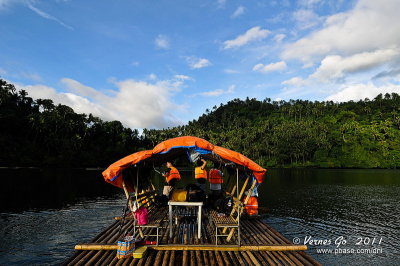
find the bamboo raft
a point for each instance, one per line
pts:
(260, 245)
(227, 239)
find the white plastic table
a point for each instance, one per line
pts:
(186, 204)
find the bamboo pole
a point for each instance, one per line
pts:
(205, 257)
(261, 235)
(211, 258)
(309, 258)
(166, 258)
(150, 258)
(265, 255)
(99, 237)
(224, 255)
(94, 258)
(253, 258)
(285, 258)
(233, 248)
(172, 259)
(103, 258)
(246, 258)
(127, 196)
(218, 257)
(233, 259)
(239, 258)
(111, 256)
(199, 247)
(243, 188)
(233, 189)
(185, 257)
(192, 257)
(274, 257)
(159, 257)
(240, 211)
(259, 257)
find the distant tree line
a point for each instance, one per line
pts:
(363, 134)
(40, 133)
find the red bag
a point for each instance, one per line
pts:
(142, 216)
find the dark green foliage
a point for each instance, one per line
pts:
(363, 134)
(39, 133)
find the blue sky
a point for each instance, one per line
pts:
(156, 64)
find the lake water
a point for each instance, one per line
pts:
(44, 213)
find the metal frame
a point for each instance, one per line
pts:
(186, 204)
(226, 226)
(238, 217)
(157, 231)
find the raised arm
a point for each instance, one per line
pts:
(203, 166)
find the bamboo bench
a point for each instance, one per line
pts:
(233, 220)
(156, 215)
(222, 222)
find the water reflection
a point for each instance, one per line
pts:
(43, 218)
(328, 204)
(38, 189)
(48, 237)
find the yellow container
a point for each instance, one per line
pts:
(179, 195)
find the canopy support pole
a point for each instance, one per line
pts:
(237, 195)
(287, 247)
(127, 195)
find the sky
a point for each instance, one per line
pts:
(162, 63)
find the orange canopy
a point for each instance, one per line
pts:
(172, 148)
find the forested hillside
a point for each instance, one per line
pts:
(40, 133)
(364, 134)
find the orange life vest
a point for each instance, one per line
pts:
(252, 206)
(200, 173)
(173, 174)
(215, 177)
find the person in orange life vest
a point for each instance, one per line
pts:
(216, 179)
(251, 207)
(172, 176)
(200, 174)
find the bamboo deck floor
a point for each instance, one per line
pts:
(253, 232)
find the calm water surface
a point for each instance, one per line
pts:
(348, 207)
(302, 204)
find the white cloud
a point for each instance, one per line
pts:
(370, 26)
(238, 12)
(361, 91)
(218, 92)
(182, 77)
(281, 65)
(196, 63)
(136, 104)
(295, 82)
(306, 18)
(135, 63)
(152, 76)
(231, 71)
(78, 88)
(335, 67)
(253, 34)
(4, 4)
(31, 76)
(389, 75)
(162, 42)
(278, 38)
(47, 16)
(221, 3)
(351, 51)
(309, 3)
(2, 71)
